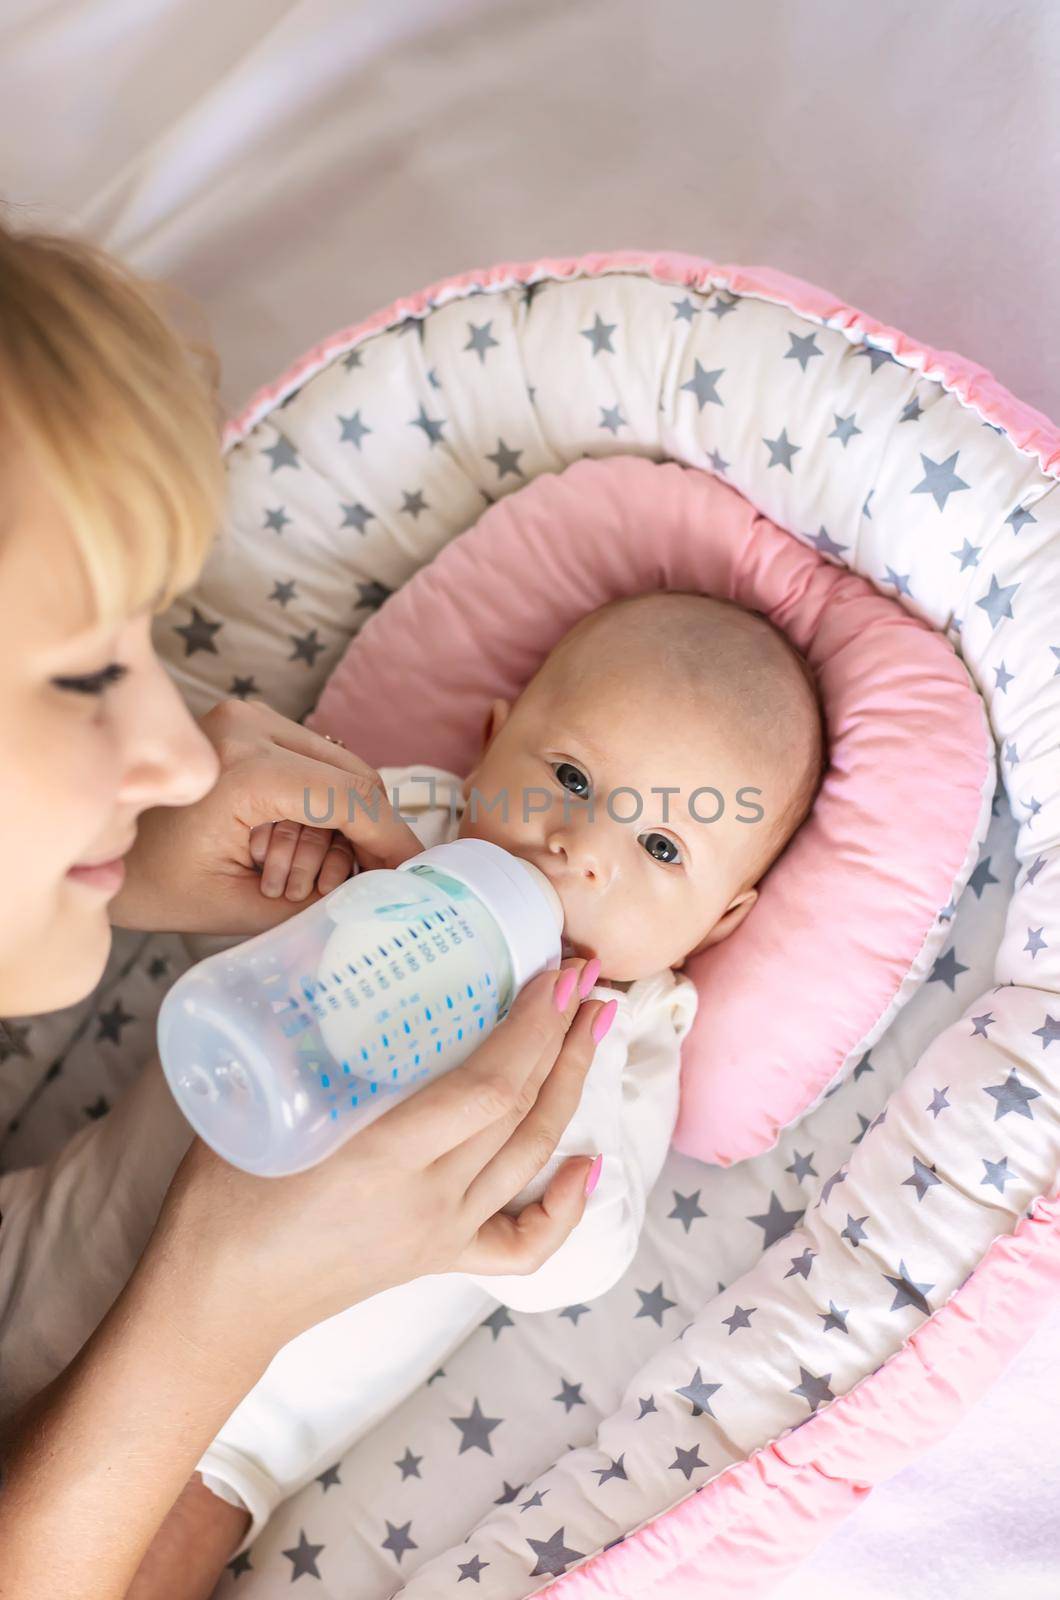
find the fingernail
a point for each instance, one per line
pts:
(564, 987)
(590, 973)
(604, 1019)
(593, 1175)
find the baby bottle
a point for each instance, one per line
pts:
(278, 1049)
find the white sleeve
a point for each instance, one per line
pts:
(627, 1113)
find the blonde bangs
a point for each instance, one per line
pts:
(116, 409)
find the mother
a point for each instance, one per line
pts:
(135, 1316)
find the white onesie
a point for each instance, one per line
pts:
(326, 1388)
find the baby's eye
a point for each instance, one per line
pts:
(658, 844)
(577, 776)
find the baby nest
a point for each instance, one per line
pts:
(799, 1324)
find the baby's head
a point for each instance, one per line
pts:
(668, 691)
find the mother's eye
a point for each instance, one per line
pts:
(569, 775)
(657, 844)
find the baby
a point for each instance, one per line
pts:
(654, 768)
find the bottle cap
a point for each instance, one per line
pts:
(517, 895)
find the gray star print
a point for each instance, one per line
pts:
(409, 1465)
(572, 1313)
(303, 1557)
(276, 520)
(824, 544)
(481, 340)
(997, 602)
(1012, 1095)
(1019, 518)
(939, 480)
(814, 1390)
(654, 1304)
(900, 581)
(354, 430)
(997, 1173)
(723, 304)
(968, 555)
(1035, 942)
(617, 1469)
(646, 1404)
(781, 451)
(553, 1555)
(803, 349)
(687, 1208)
(946, 970)
(414, 503)
(357, 516)
(854, 1230)
(240, 1564)
(372, 594)
(719, 464)
(834, 1318)
(509, 1494)
(283, 592)
(497, 1321)
(911, 412)
(432, 427)
(938, 1103)
(397, 1540)
(923, 1178)
(801, 1265)
(686, 1461)
(599, 335)
(198, 634)
(329, 1478)
(570, 1395)
(699, 1393)
(535, 1500)
(112, 1022)
(1049, 1033)
(1034, 869)
(908, 1293)
(982, 877)
(802, 1167)
(612, 419)
(981, 1023)
(838, 1176)
(776, 1222)
(475, 1430)
(241, 687)
(353, 358)
(845, 428)
(306, 648)
(282, 454)
(506, 460)
(472, 1569)
(877, 358)
(704, 385)
(740, 1318)
(684, 310)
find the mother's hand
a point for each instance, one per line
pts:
(191, 869)
(418, 1191)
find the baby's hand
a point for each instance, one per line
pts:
(294, 858)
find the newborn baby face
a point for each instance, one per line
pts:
(645, 878)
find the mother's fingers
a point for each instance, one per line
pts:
(535, 1138)
(523, 1243)
(486, 1089)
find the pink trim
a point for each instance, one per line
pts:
(746, 1528)
(974, 386)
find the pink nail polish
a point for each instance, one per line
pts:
(590, 973)
(604, 1019)
(564, 987)
(593, 1176)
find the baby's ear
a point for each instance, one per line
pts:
(496, 717)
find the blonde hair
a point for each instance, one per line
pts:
(117, 410)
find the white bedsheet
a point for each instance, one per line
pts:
(296, 163)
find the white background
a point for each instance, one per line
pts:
(295, 164)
